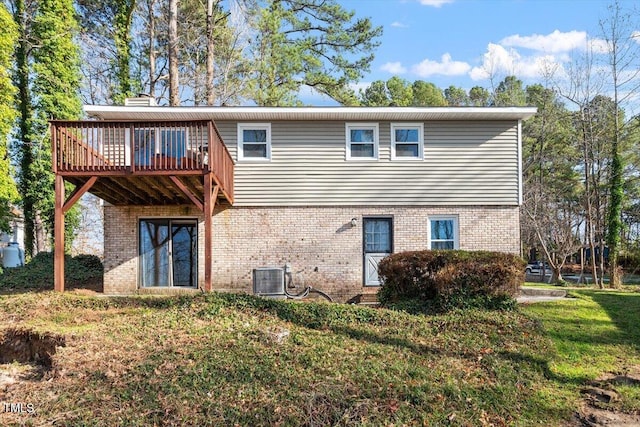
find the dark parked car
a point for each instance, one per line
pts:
(536, 268)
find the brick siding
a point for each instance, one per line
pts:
(319, 243)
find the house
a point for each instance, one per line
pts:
(199, 197)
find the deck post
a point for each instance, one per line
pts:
(208, 224)
(58, 231)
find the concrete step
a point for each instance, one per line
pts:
(369, 304)
(369, 297)
(542, 292)
(368, 300)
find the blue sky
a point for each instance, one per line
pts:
(454, 42)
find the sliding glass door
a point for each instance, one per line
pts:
(184, 248)
(168, 252)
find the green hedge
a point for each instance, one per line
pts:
(448, 276)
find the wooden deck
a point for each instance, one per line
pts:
(140, 163)
(135, 161)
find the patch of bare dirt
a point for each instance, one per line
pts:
(600, 397)
(27, 346)
(89, 287)
(590, 416)
(12, 374)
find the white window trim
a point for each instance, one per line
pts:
(420, 127)
(376, 140)
(169, 218)
(253, 126)
(456, 229)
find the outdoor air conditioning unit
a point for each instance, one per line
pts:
(268, 281)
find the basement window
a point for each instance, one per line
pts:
(443, 232)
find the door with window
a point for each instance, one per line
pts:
(377, 244)
(168, 252)
(159, 147)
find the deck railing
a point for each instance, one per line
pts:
(105, 147)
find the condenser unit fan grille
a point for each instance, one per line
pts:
(268, 281)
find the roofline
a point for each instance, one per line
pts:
(311, 113)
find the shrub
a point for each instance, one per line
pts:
(38, 273)
(90, 262)
(449, 278)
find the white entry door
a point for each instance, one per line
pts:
(378, 243)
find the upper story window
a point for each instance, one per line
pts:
(362, 141)
(443, 232)
(407, 141)
(254, 141)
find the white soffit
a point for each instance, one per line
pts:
(308, 113)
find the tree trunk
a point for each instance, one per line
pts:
(40, 233)
(122, 40)
(152, 48)
(601, 265)
(24, 124)
(581, 278)
(174, 93)
(556, 275)
(589, 205)
(211, 98)
(616, 193)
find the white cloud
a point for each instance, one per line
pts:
(599, 46)
(397, 24)
(445, 67)
(499, 61)
(435, 3)
(394, 68)
(496, 59)
(555, 42)
(558, 42)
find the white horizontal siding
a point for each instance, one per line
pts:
(465, 163)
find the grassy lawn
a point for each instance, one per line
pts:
(224, 359)
(594, 334)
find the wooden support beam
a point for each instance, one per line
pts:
(187, 192)
(214, 197)
(124, 171)
(224, 191)
(58, 234)
(77, 193)
(208, 225)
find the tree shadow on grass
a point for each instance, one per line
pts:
(541, 364)
(624, 311)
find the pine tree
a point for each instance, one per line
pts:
(314, 43)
